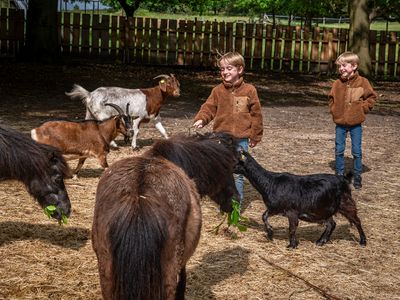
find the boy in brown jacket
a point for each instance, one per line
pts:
(350, 99)
(234, 106)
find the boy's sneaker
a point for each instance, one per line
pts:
(357, 182)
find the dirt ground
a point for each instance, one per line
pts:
(41, 260)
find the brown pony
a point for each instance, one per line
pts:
(147, 217)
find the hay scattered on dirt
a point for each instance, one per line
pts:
(41, 260)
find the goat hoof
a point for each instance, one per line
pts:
(320, 242)
(292, 245)
(269, 237)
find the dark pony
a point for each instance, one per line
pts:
(147, 217)
(40, 167)
(207, 159)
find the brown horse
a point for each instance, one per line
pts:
(147, 217)
(40, 167)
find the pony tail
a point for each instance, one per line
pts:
(137, 238)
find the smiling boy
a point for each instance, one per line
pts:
(350, 99)
(234, 106)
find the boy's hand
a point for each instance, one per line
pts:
(198, 124)
(252, 143)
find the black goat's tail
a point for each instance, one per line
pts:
(349, 176)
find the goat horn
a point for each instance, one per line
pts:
(116, 107)
(127, 109)
(161, 76)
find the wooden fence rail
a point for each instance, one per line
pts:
(151, 41)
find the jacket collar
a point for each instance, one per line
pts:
(234, 85)
(351, 79)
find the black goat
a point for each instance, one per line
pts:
(312, 198)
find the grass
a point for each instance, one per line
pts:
(376, 25)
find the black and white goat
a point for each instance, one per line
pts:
(144, 104)
(313, 198)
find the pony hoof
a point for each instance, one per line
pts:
(320, 243)
(270, 236)
(363, 243)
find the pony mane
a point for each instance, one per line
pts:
(24, 158)
(205, 158)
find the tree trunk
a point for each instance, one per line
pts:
(359, 33)
(42, 31)
(129, 8)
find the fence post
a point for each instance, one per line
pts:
(162, 54)
(248, 52)
(372, 50)
(278, 48)
(382, 52)
(268, 48)
(257, 54)
(391, 57)
(154, 59)
(172, 42)
(181, 55)
(197, 47)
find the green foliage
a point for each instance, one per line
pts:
(259, 6)
(387, 9)
(234, 218)
(50, 210)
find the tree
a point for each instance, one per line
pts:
(42, 31)
(261, 7)
(386, 9)
(359, 33)
(129, 6)
(362, 13)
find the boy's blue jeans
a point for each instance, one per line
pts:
(340, 145)
(239, 179)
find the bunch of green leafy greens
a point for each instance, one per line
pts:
(235, 218)
(49, 211)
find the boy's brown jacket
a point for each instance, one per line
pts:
(235, 109)
(350, 100)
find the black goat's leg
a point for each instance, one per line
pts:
(351, 214)
(293, 223)
(330, 225)
(268, 227)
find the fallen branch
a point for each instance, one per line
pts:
(314, 287)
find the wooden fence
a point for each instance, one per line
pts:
(12, 31)
(150, 41)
